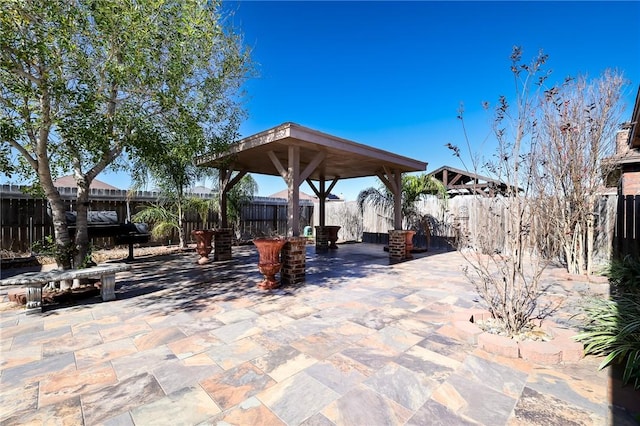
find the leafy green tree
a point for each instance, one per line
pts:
(414, 187)
(241, 194)
(86, 85)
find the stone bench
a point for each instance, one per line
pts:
(34, 281)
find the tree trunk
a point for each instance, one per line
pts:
(579, 254)
(82, 232)
(181, 223)
(58, 216)
(590, 238)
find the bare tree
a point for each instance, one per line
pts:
(578, 121)
(508, 278)
(551, 143)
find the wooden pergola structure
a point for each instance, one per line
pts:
(460, 182)
(300, 154)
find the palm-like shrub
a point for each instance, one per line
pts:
(202, 206)
(413, 188)
(162, 216)
(612, 329)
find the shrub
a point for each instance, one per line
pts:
(612, 329)
(624, 274)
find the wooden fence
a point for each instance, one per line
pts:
(483, 219)
(24, 219)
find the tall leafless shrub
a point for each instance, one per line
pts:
(578, 121)
(508, 278)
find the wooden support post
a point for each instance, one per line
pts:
(322, 195)
(293, 190)
(227, 181)
(392, 179)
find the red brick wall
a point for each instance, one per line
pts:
(631, 183)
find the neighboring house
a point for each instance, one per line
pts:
(626, 160)
(283, 194)
(70, 182)
(304, 196)
(624, 173)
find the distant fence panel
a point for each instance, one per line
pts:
(627, 233)
(266, 216)
(25, 220)
(487, 216)
(345, 215)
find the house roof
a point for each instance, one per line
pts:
(461, 182)
(69, 182)
(342, 159)
(285, 193)
(303, 196)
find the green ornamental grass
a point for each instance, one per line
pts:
(612, 329)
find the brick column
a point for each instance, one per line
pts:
(322, 239)
(397, 241)
(293, 260)
(222, 244)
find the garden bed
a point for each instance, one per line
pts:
(546, 345)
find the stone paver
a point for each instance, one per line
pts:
(361, 342)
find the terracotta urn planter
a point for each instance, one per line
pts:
(332, 235)
(269, 263)
(203, 239)
(408, 245)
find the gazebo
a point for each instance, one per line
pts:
(300, 154)
(461, 182)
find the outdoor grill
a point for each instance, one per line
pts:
(105, 224)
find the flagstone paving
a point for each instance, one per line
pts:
(361, 342)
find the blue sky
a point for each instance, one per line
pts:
(393, 74)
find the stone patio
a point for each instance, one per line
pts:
(361, 342)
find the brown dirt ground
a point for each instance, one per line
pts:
(98, 256)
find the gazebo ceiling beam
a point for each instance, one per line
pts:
(455, 180)
(283, 172)
(313, 165)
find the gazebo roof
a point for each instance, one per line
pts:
(343, 158)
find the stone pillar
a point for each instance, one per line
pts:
(34, 298)
(108, 287)
(222, 244)
(293, 261)
(322, 239)
(397, 242)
